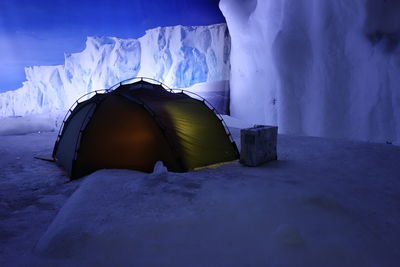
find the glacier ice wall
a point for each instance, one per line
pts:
(179, 56)
(324, 68)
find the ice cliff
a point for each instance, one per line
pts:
(324, 68)
(179, 56)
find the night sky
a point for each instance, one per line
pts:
(39, 32)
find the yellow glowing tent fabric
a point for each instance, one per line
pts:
(135, 126)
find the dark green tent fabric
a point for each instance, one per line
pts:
(137, 125)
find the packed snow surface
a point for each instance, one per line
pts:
(19, 125)
(322, 68)
(323, 203)
(178, 56)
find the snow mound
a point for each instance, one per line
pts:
(107, 212)
(322, 204)
(178, 56)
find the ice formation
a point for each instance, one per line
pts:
(323, 68)
(179, 56)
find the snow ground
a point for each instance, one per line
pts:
(325, 202)
(20, 125)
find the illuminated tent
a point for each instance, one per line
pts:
(138, 124)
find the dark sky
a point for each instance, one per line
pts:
(39, 32)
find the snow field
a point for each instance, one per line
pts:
(323, 203)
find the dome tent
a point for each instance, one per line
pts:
(136, 123)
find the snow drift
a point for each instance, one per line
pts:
(179, 56)
(316, 206)
(322, 68)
